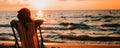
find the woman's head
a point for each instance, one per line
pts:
(24, 14)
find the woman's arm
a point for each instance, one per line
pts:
(14, 24)
(38, 22)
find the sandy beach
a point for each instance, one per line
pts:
(9, 44)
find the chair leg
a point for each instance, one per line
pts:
(16, 40)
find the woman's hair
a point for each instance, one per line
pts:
(24, 16)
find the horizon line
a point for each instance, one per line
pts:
(63, 9)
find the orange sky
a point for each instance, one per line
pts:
(59, 4)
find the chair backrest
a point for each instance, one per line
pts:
(29, 38)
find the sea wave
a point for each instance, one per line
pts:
(5, 25)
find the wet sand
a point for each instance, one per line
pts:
(10, 44)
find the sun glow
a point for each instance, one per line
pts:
(39, 14)
(38, 4)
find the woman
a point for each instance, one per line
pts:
(24, 17)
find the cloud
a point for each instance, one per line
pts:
(70, 0)
(14, 2)
(63, 0)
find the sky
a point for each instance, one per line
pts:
(59, 4)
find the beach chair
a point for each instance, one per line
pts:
(28, 38)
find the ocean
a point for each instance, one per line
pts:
(71, 26)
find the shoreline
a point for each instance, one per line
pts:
(64, 45)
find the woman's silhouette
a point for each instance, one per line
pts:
(24, 16)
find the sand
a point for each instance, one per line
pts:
(8, 44)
